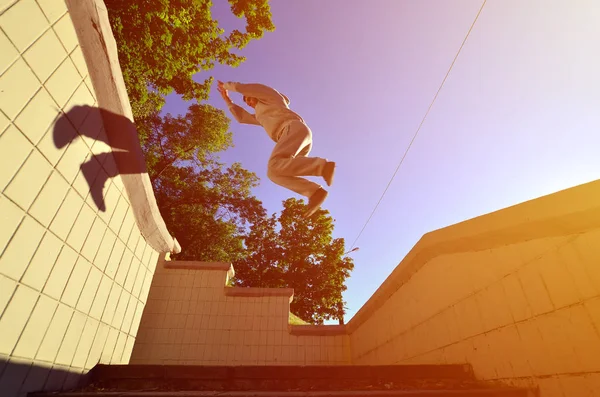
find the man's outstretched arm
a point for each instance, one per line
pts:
(241, 115)
(259, 91)
(238, 112)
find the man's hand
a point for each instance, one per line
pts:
(223, 92)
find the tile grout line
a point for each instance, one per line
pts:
(48, 230)
(41, 292)
(74, 310)
(45, 331)
(34, 149)
(8, 6)
(23, 215)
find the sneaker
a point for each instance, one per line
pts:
(328, 172)
(315, 201)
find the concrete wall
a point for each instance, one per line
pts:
(73, 278)
(192, 318)
(515, 293)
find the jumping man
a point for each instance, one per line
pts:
(289, 160)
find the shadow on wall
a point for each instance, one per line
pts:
(121, 136)
(19, 378)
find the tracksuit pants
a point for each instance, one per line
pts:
(289, 161)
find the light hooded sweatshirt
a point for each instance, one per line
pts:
(272, 111)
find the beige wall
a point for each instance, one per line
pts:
(525, 312)
(192, 318)
(73, 280)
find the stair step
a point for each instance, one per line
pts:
(272, 378)
(504, 392)
(286, 381)
(448, 371)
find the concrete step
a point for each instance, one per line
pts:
(285, 381)
(285, 378)
(447, 371)
(505, 392)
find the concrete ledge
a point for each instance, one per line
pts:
(114, 373)
(259, 292)
(90, 19)
(473, 392)
(570, 211)
(197, 265)
(317, 330)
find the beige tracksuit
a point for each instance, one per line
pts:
(288, 161)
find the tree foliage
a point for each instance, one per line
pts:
(208, 210)
(294, 252)
(206, 205)
(167, 140)
(162, 44)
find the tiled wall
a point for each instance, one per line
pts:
(73, 279)
(524, 313)
(189, 320)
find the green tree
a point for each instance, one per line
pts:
(208, 209)
(294, 252)
(162, 44)
(169, 140)
(206, 205)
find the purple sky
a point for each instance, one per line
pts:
(517, 118)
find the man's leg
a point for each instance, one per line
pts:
(289, 161)
(289, 157)
(296, 184)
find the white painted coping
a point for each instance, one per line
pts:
(90, 19)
